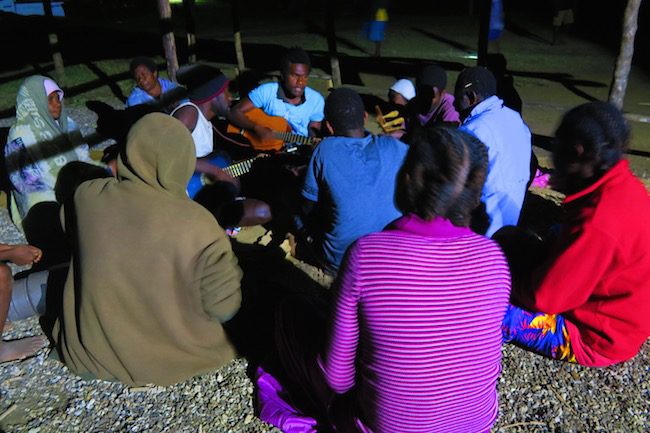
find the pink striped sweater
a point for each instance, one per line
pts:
(417, 328)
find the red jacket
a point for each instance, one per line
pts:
(598, 278)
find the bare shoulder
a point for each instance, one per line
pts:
(188, 115)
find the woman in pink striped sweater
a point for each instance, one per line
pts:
(415, 336)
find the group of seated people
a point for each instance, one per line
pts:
(413, 226)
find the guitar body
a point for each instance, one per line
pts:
(240, 168)
(198, 180)
(277, 124)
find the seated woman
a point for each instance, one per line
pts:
(415, 338)
(590, 300)
(153, 275)
(150, 89)
(40, 143)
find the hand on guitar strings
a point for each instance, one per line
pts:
(215, 173)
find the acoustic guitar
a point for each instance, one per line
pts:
(240, 168)
(282, 135)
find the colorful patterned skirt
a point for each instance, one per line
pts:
(542, 333)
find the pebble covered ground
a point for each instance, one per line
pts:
(39, 395)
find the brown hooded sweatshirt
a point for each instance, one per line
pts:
(157, 275)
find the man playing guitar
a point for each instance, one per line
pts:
(291, 99)
(209, 96)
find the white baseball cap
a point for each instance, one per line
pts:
(405, 88)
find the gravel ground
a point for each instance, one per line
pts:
(536, 394)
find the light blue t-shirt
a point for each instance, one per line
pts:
(266, 97)
(353, 181)
(139, 96)
(507, 138)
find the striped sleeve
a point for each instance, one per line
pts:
(339, 360)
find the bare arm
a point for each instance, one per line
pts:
(314, 129)
(237, 116)
(188, 115)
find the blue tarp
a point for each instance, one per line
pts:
(30, 7)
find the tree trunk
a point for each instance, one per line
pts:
(484, 7)
(190, 29)
(236, 31)
(624, 62)
(331, 45)
(169, 43)
(55, 49)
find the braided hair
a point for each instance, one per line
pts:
(601, 130)
(443, 175)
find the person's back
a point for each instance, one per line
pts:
(155, 276)
(351, 177)
(418, 308)
(508, 140)
(449, 287)
(356, 179)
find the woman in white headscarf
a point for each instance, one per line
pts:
(40, 143)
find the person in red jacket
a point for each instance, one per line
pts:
(590, 300)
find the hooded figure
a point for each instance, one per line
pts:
(40, 143)
(154, 276)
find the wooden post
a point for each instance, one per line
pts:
(190, 29)
(624, 62)
(169, 43)
(236, 32)
(53, 38)
(485, 6)
(331, 44)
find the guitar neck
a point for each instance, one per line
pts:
(240, 168)
(289, 137)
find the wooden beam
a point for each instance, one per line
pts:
(53, 38)
(190, 29)
(236, 32)
(169, 43)
(331, 44)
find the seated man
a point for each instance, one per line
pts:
(210, 98)
(147, 293)
(290, 99)
(589, 301)
(150, 88)
(507, 138)
(349, 189)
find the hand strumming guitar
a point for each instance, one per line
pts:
(215, 173)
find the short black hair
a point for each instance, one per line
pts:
(443, 175)
(344, 110)
(601, 130)
(142, 61)
(479, 79)
(294, 55)
(432, 76)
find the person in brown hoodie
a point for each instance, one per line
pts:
(153, 275)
